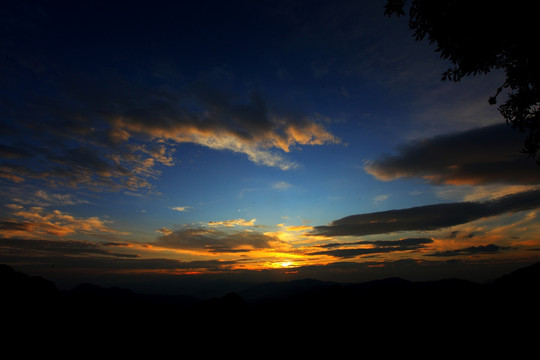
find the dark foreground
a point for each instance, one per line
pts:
(448, 312)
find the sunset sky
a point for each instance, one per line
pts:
(250, 140)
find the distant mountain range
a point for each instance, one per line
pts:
(374, 306)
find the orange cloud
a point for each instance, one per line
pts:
(299, 228)
(12, 173)
(37, 222)
(239, 136)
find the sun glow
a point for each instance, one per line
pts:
(284, 264)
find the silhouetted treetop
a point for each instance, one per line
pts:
(480, 36)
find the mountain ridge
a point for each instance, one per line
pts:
(512, 296)
(16, 281)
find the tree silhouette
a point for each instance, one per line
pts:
(484, 35)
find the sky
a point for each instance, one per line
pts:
(250, 140)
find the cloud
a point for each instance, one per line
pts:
(380, 198)
(96, 167)
(70, 254)
(487, 155)
(38, 222)
(372, 247)
(164, 231)
(14, 173)
(480, 192)
(40, 247)
(296, 227)
(181, 208)
(233, 222)
(215, 240)
(44, 198)
(9, 152)
(14, 227)
(428, 217)
(109, 133)
(281, 185)
(226, 123)
(472, 250)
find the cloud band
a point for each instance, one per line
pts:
(488, 155)
(428, 217)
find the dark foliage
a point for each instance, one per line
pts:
(480, 36)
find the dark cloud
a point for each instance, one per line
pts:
(488, 155)
(428, 217)
(472, 250)
(10, 152)
(216, 241)
(42, 248)
(66, 255)
(116, 244)
(377, 247)
(84, 254)
(11, 225)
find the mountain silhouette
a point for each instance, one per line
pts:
(387, 305)
(20, 289)
(521, 278)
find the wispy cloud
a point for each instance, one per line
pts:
(480, 192)
(380, 198)
(164, 231)
(354, 249)
(233, 222)
(281, 185)
(181, 208)
(44, 198)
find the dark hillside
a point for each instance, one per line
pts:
(393, 304)
(19, 289)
